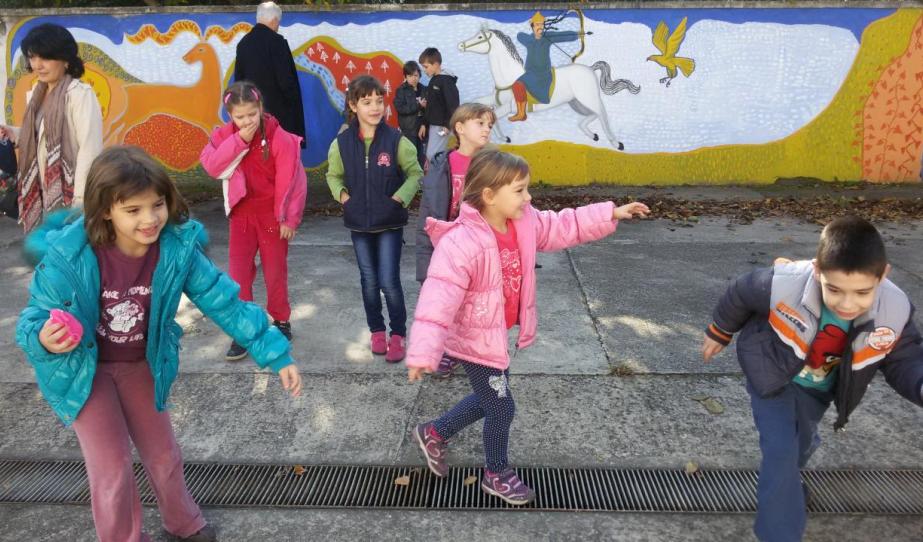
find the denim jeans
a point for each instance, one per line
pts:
(379, 258)
(787, 424)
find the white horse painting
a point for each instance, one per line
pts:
(575, 84)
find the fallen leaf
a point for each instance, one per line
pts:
(402, 480)
(692, 468)
(298, 470)
(710, 403)
(470, 480)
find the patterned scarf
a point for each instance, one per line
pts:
(37, 198)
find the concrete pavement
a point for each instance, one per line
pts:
(610, 382)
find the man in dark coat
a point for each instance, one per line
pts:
(265, 59)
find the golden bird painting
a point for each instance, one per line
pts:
(668, 49)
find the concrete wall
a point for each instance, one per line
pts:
(832, 93)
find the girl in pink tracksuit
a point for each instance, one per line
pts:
(265, 187)
(480, 283)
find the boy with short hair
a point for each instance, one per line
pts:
(440, 102)
(812, 333)
(409, 100)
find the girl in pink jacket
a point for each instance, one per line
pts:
(265, 187)
(480, 283)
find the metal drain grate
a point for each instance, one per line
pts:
(897, 492)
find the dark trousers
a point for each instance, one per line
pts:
(379, 258)
(492, 400)
(787, 424)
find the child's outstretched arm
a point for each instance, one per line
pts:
(571, 227)
(746, 296)
(215, 294)
(440, 299)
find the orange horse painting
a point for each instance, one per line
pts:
(199, 104)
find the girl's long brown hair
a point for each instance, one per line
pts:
(120, 173)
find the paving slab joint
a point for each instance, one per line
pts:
(586, 303)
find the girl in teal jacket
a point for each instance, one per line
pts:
(119, 271)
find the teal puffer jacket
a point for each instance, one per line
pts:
(67, 278)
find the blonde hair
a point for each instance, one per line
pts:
(493, 169)
(468, 111)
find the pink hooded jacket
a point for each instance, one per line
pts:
(221, 158)
(460, 309)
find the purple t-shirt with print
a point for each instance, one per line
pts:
(124, 303)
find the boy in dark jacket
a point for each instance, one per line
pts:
(408, 100)
(812, 333)
(440, 102)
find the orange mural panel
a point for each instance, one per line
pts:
(892, 143)
(174, 141)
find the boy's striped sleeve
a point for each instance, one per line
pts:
(717, 334)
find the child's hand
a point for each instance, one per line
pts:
(627, 212)
(710, 348)
(416, 373)
(247, 133)
(7, 133)
(344, 197)
(54, 337)
(286, 232)
(291, 380)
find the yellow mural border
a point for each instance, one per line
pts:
(9, 40)
(824, 148)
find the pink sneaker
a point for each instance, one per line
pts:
(379, 343)
(397, 349)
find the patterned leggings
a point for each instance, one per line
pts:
(491, 400)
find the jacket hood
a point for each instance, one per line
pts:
(447, 73)
(64, 232)
(66, 223)
(467, 215)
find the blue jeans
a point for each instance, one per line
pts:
(787, 424)
(492, 400)
(379, 258)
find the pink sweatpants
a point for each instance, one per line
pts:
(249, 233)
(119, 411)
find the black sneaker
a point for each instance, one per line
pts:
(285, 328)
(235, 352)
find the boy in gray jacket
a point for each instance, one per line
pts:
(814, 333)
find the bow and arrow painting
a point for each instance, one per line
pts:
(532, 85)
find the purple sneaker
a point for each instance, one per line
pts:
(508, 487)
(433, 447)
(447, 366)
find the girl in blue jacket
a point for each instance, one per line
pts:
(118, 273)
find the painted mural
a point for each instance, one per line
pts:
(626, 96)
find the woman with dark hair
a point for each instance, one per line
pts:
(62, 130)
